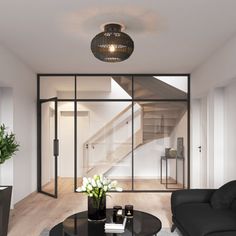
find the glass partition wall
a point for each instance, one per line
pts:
(131, 128)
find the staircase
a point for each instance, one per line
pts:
(113, 158)
(160, 119)
(149, 88)
(157, 120)
(112, 155)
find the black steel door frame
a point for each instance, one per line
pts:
(55, 147)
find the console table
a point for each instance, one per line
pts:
(140, 225)
(166, 159)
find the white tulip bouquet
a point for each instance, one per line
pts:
(98, 186)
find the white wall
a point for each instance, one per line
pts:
(199, 163)
(218, 136)
(66, 139)
(215, 138)
(230, 132)
(217, 130)
(17, 76)
(213, 82)
(216, 71)
(195, 143)
(180, 131)
(217, 161)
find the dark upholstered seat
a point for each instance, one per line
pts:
(195, 215)
(201, 219)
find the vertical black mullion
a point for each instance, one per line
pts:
(39, 152)
(56, 156)
(132, 86)
(188, 130)
(75, 134)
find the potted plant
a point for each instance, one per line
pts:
(96, 188)
(8, 147)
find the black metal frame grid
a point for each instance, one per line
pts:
(133, 100)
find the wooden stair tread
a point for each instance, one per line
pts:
(157, 121)
(159, 116)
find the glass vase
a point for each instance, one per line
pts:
(97, 208)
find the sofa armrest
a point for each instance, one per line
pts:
(180, 197)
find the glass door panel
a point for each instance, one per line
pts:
(164, 126)
(62, 87)
(104, 87)
(104, 141)
(49, 147)
(160, 87)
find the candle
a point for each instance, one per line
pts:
(117, 214)
(129, 211)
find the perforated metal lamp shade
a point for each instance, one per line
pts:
(112, 45)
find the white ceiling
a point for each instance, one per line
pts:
(169, 35)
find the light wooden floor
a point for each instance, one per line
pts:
(37, 211)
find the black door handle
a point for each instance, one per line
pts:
(56, 147)
(200, 148)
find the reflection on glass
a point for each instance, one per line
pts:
(107, 144)
(162, 124)
(104, 87)
(47, 163)
(160, 87)
(61, 87)
(66, 141)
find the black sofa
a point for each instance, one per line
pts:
(205, 212)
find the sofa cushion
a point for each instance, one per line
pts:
(228, 233)
(233, 205)
(223, 197)
(201, 219)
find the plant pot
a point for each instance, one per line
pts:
(97, 208)
(5, 203)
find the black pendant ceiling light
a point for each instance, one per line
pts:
(112, 45)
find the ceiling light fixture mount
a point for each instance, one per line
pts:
(112, 45)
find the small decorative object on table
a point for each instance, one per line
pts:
(180, 147)
(117, 214)
(172, 153)
(115, 227)
(96, 189)
(167, 152)
(129, 211)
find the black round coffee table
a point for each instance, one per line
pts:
(142, 224)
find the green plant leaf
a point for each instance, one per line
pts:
(8, 144)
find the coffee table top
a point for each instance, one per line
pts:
(141, 224)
